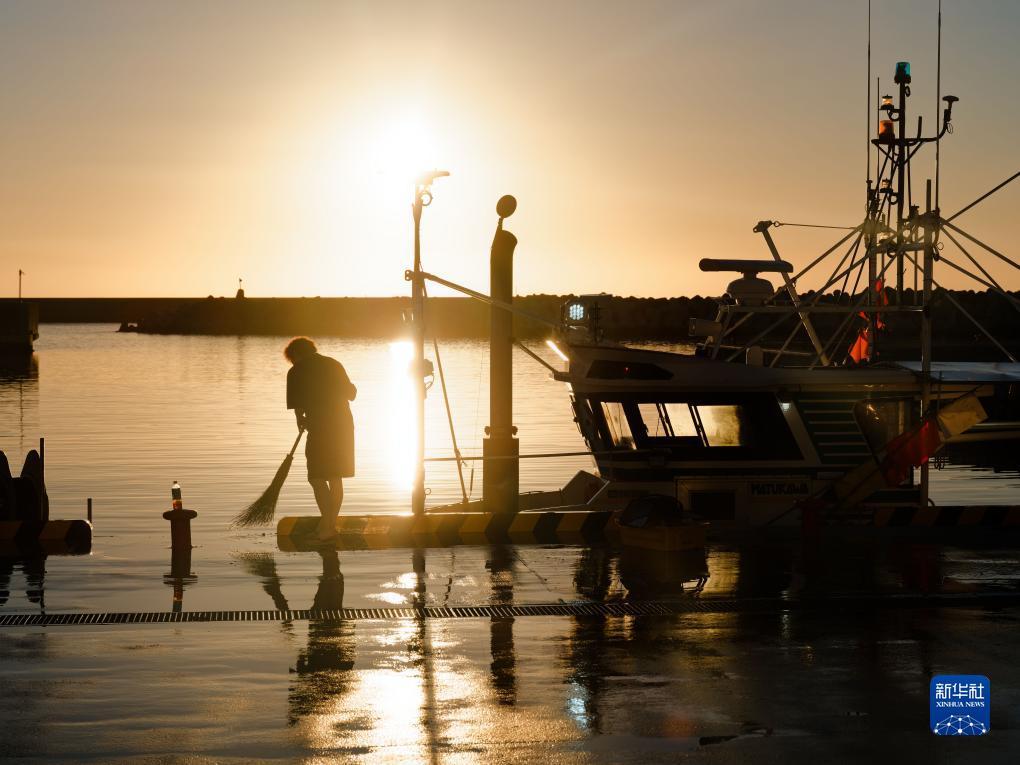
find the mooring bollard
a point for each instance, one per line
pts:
(180, 520)
(180, 527)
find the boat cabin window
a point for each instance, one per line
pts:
(724, 426)
(669, 420)
(696, 424)
(619, 426)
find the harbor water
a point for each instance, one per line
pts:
(125, 415)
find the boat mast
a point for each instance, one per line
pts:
(902, 79)
(930, 225)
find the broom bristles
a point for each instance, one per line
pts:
(262, 510)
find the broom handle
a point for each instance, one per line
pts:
(296, 442)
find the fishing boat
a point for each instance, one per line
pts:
(770, 414)
(787, 411)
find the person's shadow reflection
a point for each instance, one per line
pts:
(323, 667)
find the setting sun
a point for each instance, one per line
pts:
(399, 149)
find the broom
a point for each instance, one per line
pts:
(261, 511)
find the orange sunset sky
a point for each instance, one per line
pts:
(153, 148)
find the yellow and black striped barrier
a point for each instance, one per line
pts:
(362, 532)
(949, 516)
(50, 537)
(366, 532)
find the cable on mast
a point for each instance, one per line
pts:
(867, 106)
(938, 105)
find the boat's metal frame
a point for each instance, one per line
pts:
(798, 389)
(894, 233)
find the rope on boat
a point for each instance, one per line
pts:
(981, 198)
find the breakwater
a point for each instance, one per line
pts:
(656, 319)
(651, 318)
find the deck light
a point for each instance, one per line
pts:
(887, 102)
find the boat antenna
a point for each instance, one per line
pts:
(938, 102)
(867, 107)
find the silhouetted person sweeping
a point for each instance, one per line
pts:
(318, 390)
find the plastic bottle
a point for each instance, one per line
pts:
(175, 494)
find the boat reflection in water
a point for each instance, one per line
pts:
(657, 575)
(19, 388)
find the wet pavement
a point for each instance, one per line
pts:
(833, 683)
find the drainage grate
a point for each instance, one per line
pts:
(581, 609)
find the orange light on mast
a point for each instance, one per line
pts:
(886, 131)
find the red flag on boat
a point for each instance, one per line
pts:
(883, 300)
(860, 351)
(909, 450)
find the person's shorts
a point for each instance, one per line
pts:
(329, 451)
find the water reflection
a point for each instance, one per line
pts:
(415, 699)
(262, 566)
(417, 689)
(19, 388)
(654, 574)
(33, 570)
(584, 651)
(400, 426)
(420, 650)
(179, 576)
(323, 668)
(503, 667)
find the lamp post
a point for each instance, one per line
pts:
(420, 366)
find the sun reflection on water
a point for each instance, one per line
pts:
(400, 415)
